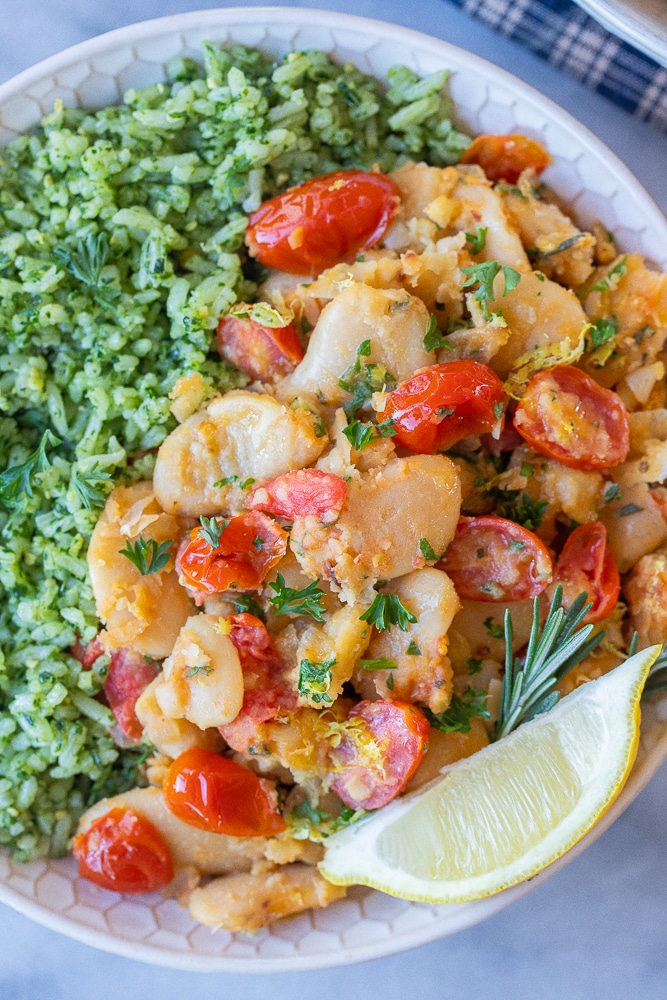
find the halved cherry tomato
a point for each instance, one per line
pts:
(249, 547)
(322, 221)
(214, 793)
(262, 352)
(566, 415)
(128, 676)
(586, 565)
(503, 157)
(493, 559)
(123, 851)
(373, 763)
(442, 404)
(296, 494)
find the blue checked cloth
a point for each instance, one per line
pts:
(567, 38)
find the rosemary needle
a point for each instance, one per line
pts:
(528, 688)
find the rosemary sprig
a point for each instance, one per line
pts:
(529, 688)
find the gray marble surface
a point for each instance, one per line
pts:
(598, 929)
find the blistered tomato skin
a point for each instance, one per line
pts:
(566, 415)
(493, 559)
(444, 403)
(323, 221)
(262, 352)
(368, 778)
(214, 793)
(504, 157)
(587, 565)
(123, 851)
(250, 545)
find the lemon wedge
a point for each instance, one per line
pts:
(504, 814)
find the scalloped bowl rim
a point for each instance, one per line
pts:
(651, 755)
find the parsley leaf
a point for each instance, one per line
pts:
(85, 263)
(288, 601)
(426, 550)
(524, 511)
(433, 339)
(17, 479)
(600, 332)
(485, 274)
(612, 492)
(495, 631)
(381, 663)
(246, 602)
(477, 241)
(413, 649)
(147, 555)
(361, 381)
(387, 610)
(84, 485)
(201, 668)
(360, 435)
(212, 529)
(462, 708)
(315, 680)
(612, 277)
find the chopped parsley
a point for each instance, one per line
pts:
(84, 483)
(288, 601)
(387, 610)
(433, 339)
(413, 649)
(360, 435)
(146, 555)
(612, 492)
(485, 274)
(361, 381)
(495, 631)
(612, 278)
(201, 668)
(381, 663)
(462, 708)
(315, 680)
(17, 479)
(477, 241)
(211, 529)
(427, 551)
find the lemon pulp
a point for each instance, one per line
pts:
(502, 815)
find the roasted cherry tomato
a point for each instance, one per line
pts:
(442, 404)
(249, 546)
(262, 352)
(493, 559)
(323, 221)
(586, 565)
(504, 157)
(128, 676)
(375, 761)
(566, 415)
(123, 851)
(214, 793)
(297, 494)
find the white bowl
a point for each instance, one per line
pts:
(592, 181)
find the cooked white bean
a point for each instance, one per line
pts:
(236, 437)
(144, 613)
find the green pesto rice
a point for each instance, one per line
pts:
(120, 239)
